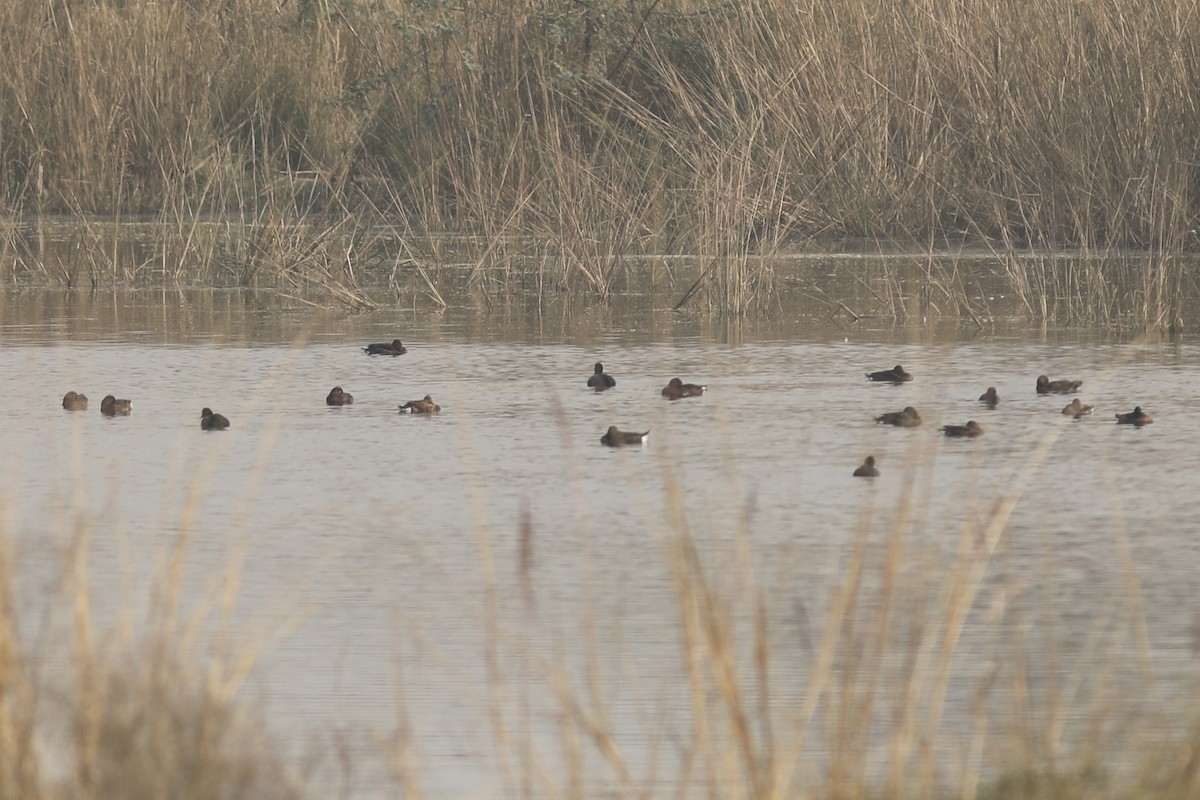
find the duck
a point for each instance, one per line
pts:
(75, 402)
(908, 418)
(971, 429)
(212, 422)
(1135, 417)
(867, 469)
(615, 437)
(894, 375)
(1047, 386)
(990, 398)
(111, 406)
(677, 389)
(600, 380)
(422, 406)
(337, 397)
(385, 349)
(1076, 409)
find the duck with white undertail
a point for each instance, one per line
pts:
(423, 406)
(615, 437)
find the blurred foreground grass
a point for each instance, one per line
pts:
(164, 713)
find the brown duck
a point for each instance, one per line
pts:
(1047, 386)
(1076, 409)
(894, 375)
(990, 398)
(422, 406)
(75, 402)
(867, 470)
(337, 397)
(677, 389)
(908, 418)
(971, 429)
(1135, 417)
(615, 437)
(212, 422)
(111, 406)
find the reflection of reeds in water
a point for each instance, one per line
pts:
(1144, 290)
(350, 262)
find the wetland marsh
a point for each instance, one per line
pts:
(217, 205)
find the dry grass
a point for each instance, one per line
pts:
(144, 719)
(584, 134)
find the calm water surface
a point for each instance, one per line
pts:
(367, 539)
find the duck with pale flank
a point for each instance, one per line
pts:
(908, 418)
(75, 402)
(1076, 409)
(615, 437)
(386, 349)
(337, 397)
(971, 429)
(112, 407)
(677, 389)
(894, 375)
(1047, 386)
(990, 398)
(1135, 417)
(423, 406)
(601, 380)
(867, 469)
(212, 422)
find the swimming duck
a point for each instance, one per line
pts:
(337, 397)
(1047, 386)
(677, 389)
(111, 406)
(971, 429)
(423, 406)
(385, 349)
(908, 418)
(894, 375)
(615, 437)
(75, 402)
(601, 380)
(212, 422)
(867, 470)
(990, 397)
(1135, 417)
(1076, 409)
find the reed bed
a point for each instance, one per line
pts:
(589, 133)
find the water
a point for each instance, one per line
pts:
(368, 540)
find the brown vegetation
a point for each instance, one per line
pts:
(98, 715)
(583, 134)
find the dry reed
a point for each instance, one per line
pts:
(137, 719)
(588, 133)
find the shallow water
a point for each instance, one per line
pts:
(368, 539)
